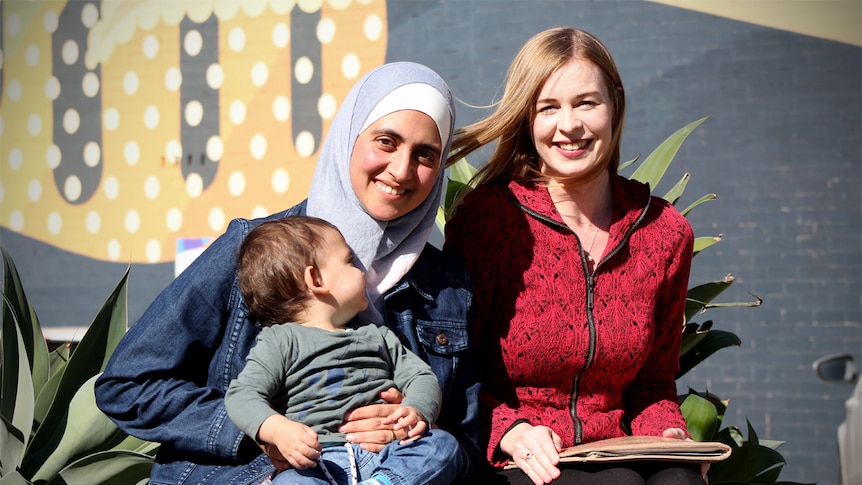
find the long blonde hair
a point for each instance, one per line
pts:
(515, 155)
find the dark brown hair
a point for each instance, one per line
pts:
(271, 266)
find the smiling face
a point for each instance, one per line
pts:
(395, 163)
(573, 121)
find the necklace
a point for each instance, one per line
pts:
(590, 250)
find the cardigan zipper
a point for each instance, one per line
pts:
(590, 279)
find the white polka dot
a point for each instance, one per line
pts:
(55, 223)
(236, 39)
(193, 42)
(34, 190)
(281, 35)
(174, 219)
(111, 119)
(259, 211)
(93, 222)
(151, 187)
(13, 25)
(34, 124)
(281, 108)
(50, 21)
(53, 156)
(71, 121)
(31, 56)
(90, 84)
(131, 152)
(70, 52)
(15, 90)
(215, 148)
(72, 188)
(92, 154)
(237, 112)
(194, 113)
(132, 221)
(111, 188)
(16, 158)
(303, 70)
(257, 146)
(154, 251)
(151, 46)
(114, 250)
(151, 117)
(215, 76)
(372, 27)
(259, 74)
(280, 181)
(16, 221)
(173, 79)
(350, 66)
(236, 184)
(52, 88)
(194, 185)
(305, 144)
(89, 15)
(326, 106)
(326, 30)
(173, 152)
(131, 83)
(216, 219)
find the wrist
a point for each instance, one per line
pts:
(512, 435)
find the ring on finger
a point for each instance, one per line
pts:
(528, 455)
(393, 435)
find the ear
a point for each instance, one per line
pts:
(313, 281)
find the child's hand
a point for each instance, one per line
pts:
(410, 420)
(296, 442)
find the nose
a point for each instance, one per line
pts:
(569, 120)
(400, 166)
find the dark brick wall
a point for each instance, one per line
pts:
(781, 149)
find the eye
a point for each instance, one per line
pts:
(546, 108)
(426, 157)
(386, 142)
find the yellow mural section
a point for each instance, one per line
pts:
(144, 204)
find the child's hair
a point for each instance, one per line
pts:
(271, 266)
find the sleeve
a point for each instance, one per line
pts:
(651, 399)
(249, 396)
(413, 377)
(155, 384)
(470, 237)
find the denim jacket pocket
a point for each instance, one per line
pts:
(442, 337)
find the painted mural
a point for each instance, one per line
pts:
(131, 130)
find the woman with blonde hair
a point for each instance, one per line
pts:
(580, 275)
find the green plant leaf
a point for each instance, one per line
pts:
(705, 198)
(12, 446)
(701, 243)
(17, 388)
(710, 343)
(752, 464)
(14, 478)
(700, 295)
(701, 417)
(88, 431)
(676, 191)
(655, 165)
(106, 468)
(88, 359)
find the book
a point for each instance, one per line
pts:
(654, 448)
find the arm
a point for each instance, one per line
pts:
(415, 379)
(651, 399)
(161, 383)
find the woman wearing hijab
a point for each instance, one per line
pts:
(378, 180)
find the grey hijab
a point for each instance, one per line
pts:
(385, 250)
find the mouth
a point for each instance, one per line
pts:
(573, 146)
(388, 190)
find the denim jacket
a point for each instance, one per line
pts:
(166, 380)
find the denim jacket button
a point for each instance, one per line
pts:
(442, 339)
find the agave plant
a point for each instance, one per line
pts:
(752, 461)
(52, 432)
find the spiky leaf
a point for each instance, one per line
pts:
(655, 165)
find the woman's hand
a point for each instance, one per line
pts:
(536, 451)
(679, 434)
(294, 442)
(367, 425)
(410, 420)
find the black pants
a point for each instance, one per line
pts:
(640, 473)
